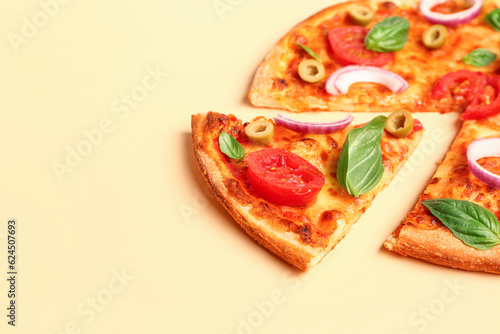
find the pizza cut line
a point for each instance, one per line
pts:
(297, 187)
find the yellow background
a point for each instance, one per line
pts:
(116, 230)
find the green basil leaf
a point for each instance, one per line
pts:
(309, 51)
(479, 57)
(360, 166)
(493, 19)
(230, 146)
(388, 35)
(474, 225)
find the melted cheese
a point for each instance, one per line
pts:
(453, 178)
(334, 211)
(279, 85)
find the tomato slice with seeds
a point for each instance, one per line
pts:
(348, 46)
(461, 83)
(487, 102)
(481, 92)
(283, 178)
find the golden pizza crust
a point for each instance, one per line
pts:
(299, 240)
(263, 226)
(422, 236)
(441, 247)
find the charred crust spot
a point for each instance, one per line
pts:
(461, 169)
(389, 5)
(332, 143)
(409, 77)
(434, 180)
(307, 143)
(306, 233)
(328, 221)
(215, 120)
(329, 215)
(236, 190)
(235, 131)
(280, 84)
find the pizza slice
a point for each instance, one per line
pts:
(369, 55)
(295, 193)
(448, 194)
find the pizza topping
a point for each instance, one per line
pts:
(474, 225)
(361, 15)
(388, 35)
(348, 46)
(479, 57)
(481, 92)
(452, 19)
(435, 36)
(360, 167)
(310, 52)
(260, 132)
(340, 80)
(313, 128)
(283, 178)
(311, 70)
(481, 148)
(461, 83)
(399, 123)
(230, 146)
(493, 19)
(487, 102)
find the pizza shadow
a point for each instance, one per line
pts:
(421, 265)
(224, 217)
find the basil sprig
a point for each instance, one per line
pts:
(360, 166)
(230, 146)
(388, 35)
(479, 57)
(309, 51)
(474, 225)
(493, 19)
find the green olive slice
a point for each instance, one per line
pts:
(311, 70)
(399, 123)
(435, 36)
(361, 15)
(260, 132)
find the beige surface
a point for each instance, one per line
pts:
(124, 240)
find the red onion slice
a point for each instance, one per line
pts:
(481, 148)
(313, 128)
(453, 19)
(340, 80)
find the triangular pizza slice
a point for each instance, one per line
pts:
(464, 195)
(283, 185)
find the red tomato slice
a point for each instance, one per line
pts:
(348, 46)
(282, 177)
(487, 102)
(463, 83)
(481, 92)
(417, 125)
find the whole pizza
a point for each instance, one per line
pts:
(298, 187)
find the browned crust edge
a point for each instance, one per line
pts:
(261, 225)
(440, 246)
